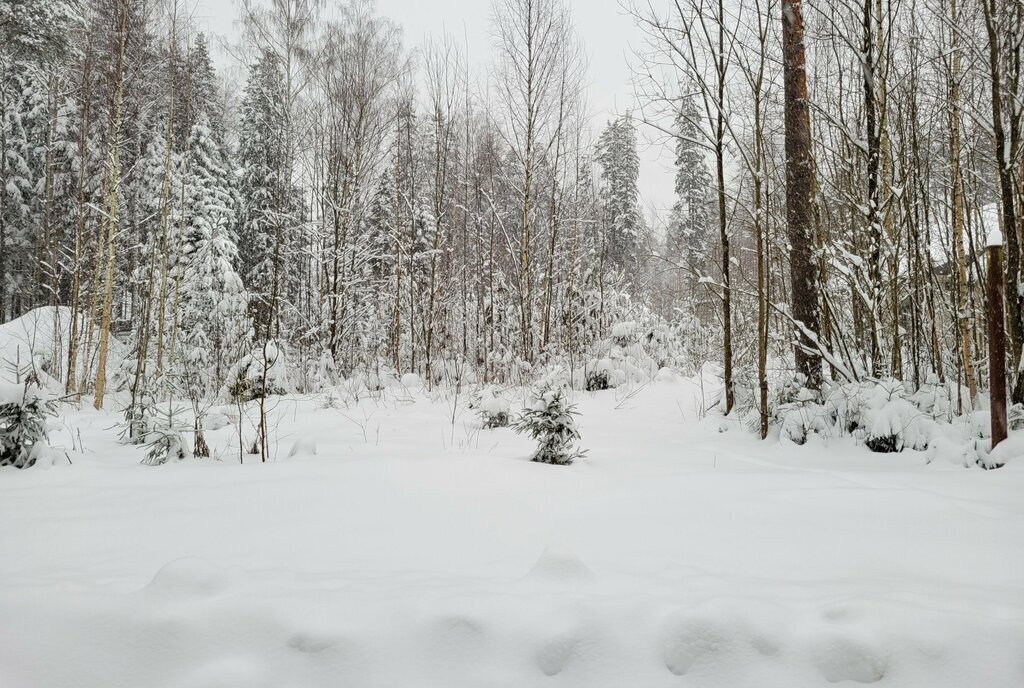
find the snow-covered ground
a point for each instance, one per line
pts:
(398, 548)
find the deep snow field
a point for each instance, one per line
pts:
(397, 549)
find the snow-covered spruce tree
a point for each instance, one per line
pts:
(197, 92)
(24, 412)
(550, 419)
(620, 169)
(213, 316)
(16, 190)
(35, 40)
(689, 230)
(156, 187)
(166, 437)
(270, 213)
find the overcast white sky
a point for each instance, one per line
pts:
(607, 34)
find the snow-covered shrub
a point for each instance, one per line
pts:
(246, 377)
(1015, 417)
(166, 438)
(888, 420)
(598, 378)
(624, 333)
(381, 377)
(882, 414)
(619, 359)
(550, 419)
(800, 413)
(24, 413)
(321, 373)
(938, 400)
(491, 408)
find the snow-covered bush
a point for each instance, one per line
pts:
(246, 377)
(379, 378)
(24, 413)
(799, 414)
(550, 419)
(139, 416)
(619, 359)
(943, 401)
(598, 377)
(881, 414)
(491, 408)
(1015, 417)
(166, 438)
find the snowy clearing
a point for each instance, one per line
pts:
(395, 548)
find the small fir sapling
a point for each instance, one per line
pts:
(550, 419)
(166, 438)
(24, 413)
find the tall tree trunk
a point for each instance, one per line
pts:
(799, 196)
(1006, 134)
(111, 222)
(956, 181)
(723, 229)
(874, 223)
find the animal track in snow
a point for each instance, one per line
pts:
(558, 653)
(843, 658)
(310, 644)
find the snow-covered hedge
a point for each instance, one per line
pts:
(887, 417)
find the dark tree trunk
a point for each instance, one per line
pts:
(1006, 121)
(723, 229)
(874, 220)
(799, 196)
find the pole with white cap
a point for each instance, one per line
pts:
(996, 337)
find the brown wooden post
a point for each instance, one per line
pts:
(996, 337)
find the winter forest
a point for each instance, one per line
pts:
(327, 342)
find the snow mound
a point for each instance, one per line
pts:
(215, 420)
(304, 446)
(40, 340)
(667, 375)
(188, 577)
(227, 672)
(560, 564)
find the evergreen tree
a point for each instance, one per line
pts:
(381, 228)
(620, 168)
(35, 31)
(690, 230)
(213, 318)
(269, 212)
(197, 94)
(24, 416)
(551, 420)
(16, 190)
